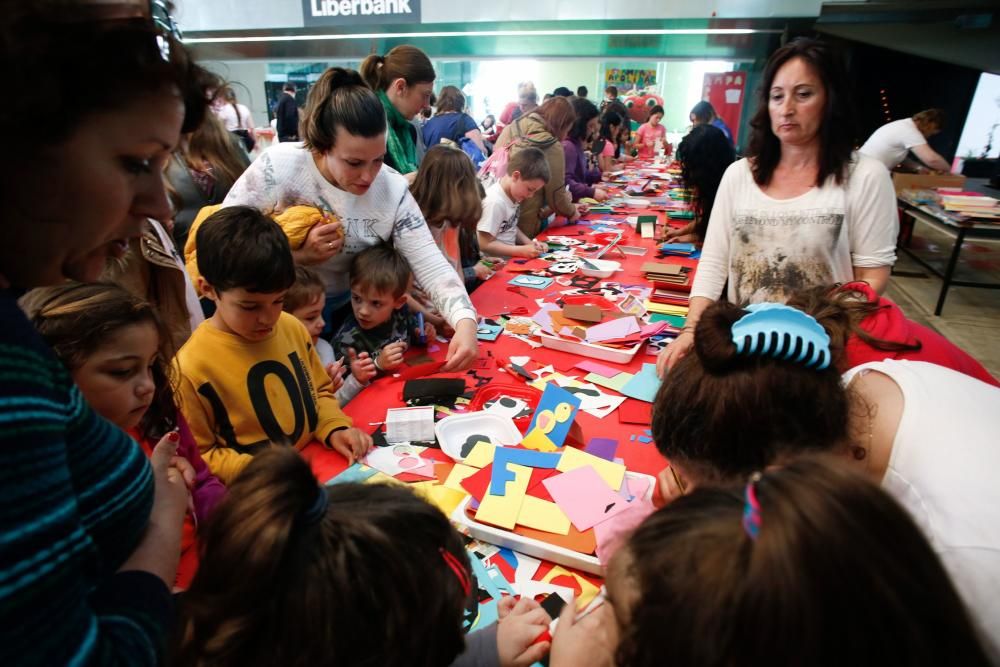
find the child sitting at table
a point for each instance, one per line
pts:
(249, 375)
(295, 573)
(305, 300)
(380, 323)
(652, 134)
(527, 173)
(118, 353)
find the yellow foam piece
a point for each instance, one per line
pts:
(503, 511)
(440, 496)
(457, 474)
(543, 515)
(538, 441)
(611, 472)
(588, 591)
(481, 455)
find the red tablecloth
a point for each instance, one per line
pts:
(493, 298)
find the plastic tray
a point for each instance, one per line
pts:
(529, 545)
(622, 356)
(454, 430)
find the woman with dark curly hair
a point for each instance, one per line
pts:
(705, 154)
(803, 209)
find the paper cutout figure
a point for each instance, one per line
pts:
(612, 473)
(538, 441)
(555, 413)
(502, 472)
(508, 406)
(502, 511)
(585, 497)
(534, 282)
(487, 331)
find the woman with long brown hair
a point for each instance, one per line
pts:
(544, 129)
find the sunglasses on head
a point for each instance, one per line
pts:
(155, 13)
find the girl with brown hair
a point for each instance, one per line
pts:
(451, 122)
(762, 388)
(403, 79)
(294, 573)
(808, 564)
(544, 129)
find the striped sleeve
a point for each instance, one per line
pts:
(75, 496)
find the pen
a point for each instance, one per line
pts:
(421, 335)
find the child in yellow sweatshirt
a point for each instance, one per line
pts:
(250, 376)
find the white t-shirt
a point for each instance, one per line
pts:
(943, 468)
(890, 143)
(227, 114)
(768, 248)
(500, 215)
(285, 175)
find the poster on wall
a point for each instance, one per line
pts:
(725, 93)
(630, 78)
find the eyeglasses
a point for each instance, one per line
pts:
(155, 13)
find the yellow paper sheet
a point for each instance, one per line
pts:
(457, 474)
(503, 510)
(588, 591)
(610, 472)
(442, 497)
(481, 455)
(538, 441)
(543, 515)
(382, 478)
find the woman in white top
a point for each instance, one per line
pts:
(925, 433)
(234, 115)
(339, 168)
(803, 210)
(891, 143)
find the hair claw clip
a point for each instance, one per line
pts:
(782, 332)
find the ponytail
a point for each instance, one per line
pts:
(402, 62)
(340, 98)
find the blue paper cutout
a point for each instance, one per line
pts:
(548, 405)
(533, 282)
(526, 457)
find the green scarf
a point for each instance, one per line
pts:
(402, 148)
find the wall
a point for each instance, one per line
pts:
(247, 79)
(983, 120)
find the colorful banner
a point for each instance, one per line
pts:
(630, 79)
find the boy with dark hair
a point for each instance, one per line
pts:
(381, 324)
(249, 375)
(581, 91)
(527, 173)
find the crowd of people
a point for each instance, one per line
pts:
(179, 320)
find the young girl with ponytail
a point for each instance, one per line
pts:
(339, 168)
(294, 573)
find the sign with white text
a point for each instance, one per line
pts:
(359, 12)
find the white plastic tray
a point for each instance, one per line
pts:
(452, 431)
(589, 349)
(531, 546)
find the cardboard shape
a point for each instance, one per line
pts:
(555, 413)
(582, 313)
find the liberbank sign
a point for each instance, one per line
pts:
(359, 12)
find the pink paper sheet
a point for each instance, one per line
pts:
(600, 369)
(612, 329)
(612, 532)
(584, 497)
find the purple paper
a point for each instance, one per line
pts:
(602, 447)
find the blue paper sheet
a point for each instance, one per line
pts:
(356, 473)
(644, 384)
(526, 457)
(554, 418)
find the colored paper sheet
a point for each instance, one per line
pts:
(612, 473)
(612, 533)
(502, 511)
(538, 441)
(644, 385)
(503, 472)
(400, 458)
(543, 515)
(582, 313)
(356, 473)
(481, 455)
(554, 414)
(676, 321)
(584, 496)
(582, 542)
(612, 329)
(457, 474)
(588, 591)
(604, 448)
(638, 486)
(616, 383)
(598, 368)
(478, 483)
(635, 412)
(442, 497)
(535, 486)
(534, 282)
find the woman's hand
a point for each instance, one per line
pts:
(353, 443)
(521, 621)
(674, 352)
(464, 347)
(322, 242)
(591, 642)
(362, 366)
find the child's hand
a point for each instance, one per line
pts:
(483, 272)
(362, 366)
(600, 194)
(335, 370)
(353, 443)
(590, 642)
(391, 356)
(429, 331)
(542, 246)
(529, 251)
(170, 495)
(521, 621)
